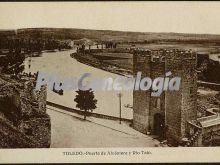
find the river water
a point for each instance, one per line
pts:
(215, 57)
(63, 65)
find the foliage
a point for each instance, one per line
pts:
(85, 101)
(14, 63)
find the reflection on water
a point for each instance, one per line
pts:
(63, 65)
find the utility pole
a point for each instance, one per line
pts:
(119, 96)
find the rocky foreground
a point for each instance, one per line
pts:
(24, 122)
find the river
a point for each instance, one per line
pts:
(63, 65)
(215, 57)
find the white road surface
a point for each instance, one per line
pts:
(72, 132)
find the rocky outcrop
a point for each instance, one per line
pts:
(24, 122)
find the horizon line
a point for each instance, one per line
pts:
(4, 29)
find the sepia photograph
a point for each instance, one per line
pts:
(109, 75)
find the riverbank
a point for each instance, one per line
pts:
(100, 64)
(5, 53)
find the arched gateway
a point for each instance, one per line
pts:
(159, 124)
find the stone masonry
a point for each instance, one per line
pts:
(166, 115)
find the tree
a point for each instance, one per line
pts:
(14, 63)
(85, 101)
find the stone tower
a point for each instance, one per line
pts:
(166, 115)
(181, 106)
(147, 108)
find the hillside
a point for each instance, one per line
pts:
(107, 35)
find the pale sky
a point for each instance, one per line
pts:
(182, 17)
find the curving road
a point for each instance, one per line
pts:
(72, 132)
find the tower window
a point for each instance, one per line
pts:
(191, 91)
(157, 103)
